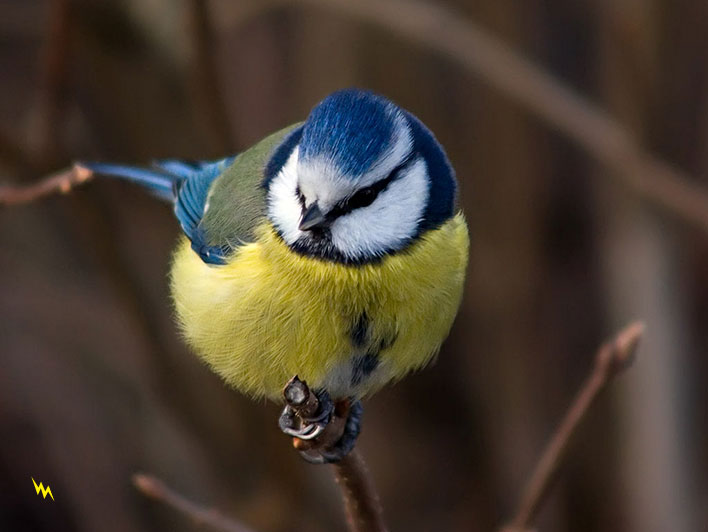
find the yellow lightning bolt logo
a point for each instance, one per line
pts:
(45, 491)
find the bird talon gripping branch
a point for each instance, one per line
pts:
(305, 415)
(329, 453)
(323, 431)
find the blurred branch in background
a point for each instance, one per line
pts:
(613, 357)
(351, 475)
(156, 489)
(61, 182)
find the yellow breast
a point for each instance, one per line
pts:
(271, 313)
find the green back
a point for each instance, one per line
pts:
(237, 201)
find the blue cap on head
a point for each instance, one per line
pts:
(350, 128)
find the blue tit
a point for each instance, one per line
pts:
(332, 250)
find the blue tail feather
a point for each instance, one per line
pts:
(186, 184)
(161, 182)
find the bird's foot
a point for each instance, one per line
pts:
(306, 415)
(323, 431)
(346, 423)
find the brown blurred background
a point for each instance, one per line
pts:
(95, 383)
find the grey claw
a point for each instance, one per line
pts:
(307, 432)
(345, 444)
(308, 428)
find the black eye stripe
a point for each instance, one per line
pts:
(366, 196)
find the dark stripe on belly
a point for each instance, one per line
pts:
(360, 332)
(361, 338)
(363, 366)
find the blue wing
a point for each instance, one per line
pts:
(186, 184)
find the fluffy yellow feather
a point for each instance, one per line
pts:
(271, 313)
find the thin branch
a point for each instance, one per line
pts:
(612, 358)
(537, 91)
(156, 489)
(362, 506)
(361, 502)
(61, 182)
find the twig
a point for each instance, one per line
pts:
(361, 501)
(611, 359)
(156, 489)
(306, 405)
(537, 91)
(60, 182)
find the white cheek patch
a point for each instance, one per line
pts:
(284, 208)
(389, 222)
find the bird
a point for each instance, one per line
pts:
(334, 249)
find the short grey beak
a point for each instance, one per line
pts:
(312, 218)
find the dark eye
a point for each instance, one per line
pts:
(366, 196)
(363, 198)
